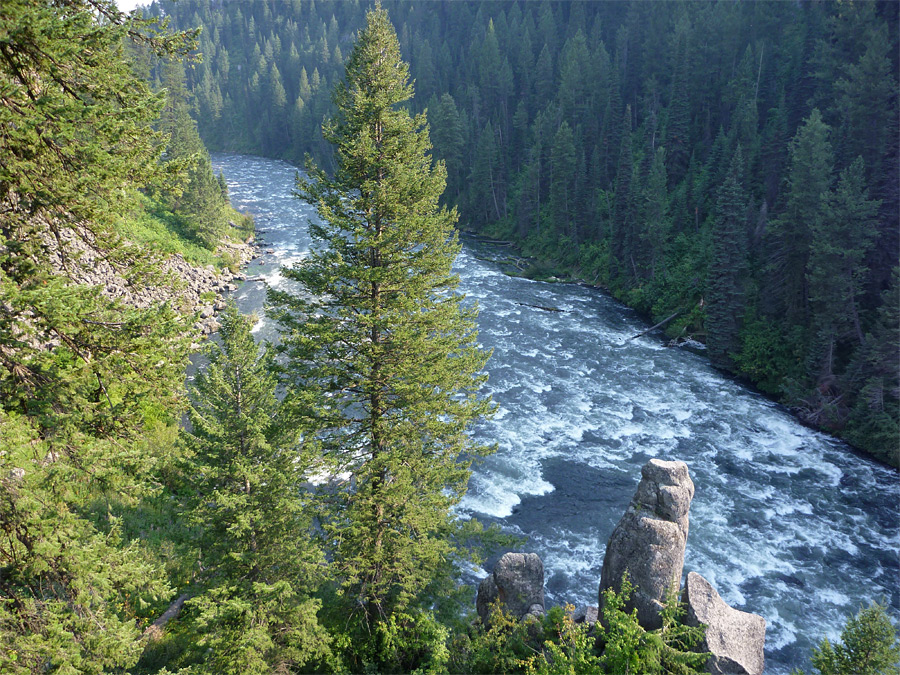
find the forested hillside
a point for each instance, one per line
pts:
(156, 523)
(734, 164)
(91, 385)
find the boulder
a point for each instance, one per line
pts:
(517, 582)
(588, 615)
(735, 639)
(649, 540)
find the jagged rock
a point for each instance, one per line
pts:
(16, 474)
(517, 582)
(206, 311)
(736, 639)
(589, 615)
(650, 539)
(220, 305)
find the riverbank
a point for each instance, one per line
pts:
(191, 288)
(515, 263)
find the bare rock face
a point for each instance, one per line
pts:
(650, 539)
(518, 582)
(735, 639)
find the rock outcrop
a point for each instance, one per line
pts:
(650, 539)
(190, 288)
(735, 639)
(649, 543)
(517, 582)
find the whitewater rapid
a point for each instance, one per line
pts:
(786, 522)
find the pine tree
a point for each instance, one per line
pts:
(868, 646)
(809, 180)
(874, 418)
(654, 213)
(725, 299)
(192, 188)
(678, 126)
(448, 140)
(248, 465)
(840, 242)
(81, 376)
(562, 178)
(386, 337)
(624, 211)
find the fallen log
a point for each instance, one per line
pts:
(661, 323)
(546, 309)
(154, 631)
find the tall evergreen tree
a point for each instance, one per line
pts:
(725, 299)
(874, 418)
(654, 226)
(624, 211)
(809, 180)
(248, 465)
(385, 335)
(840, 241)
(192, 188)
(562, 182)
(80, 375)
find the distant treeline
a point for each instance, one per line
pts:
(736, 163)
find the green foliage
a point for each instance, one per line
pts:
(191, 189)
(628, 648)
(768, 356)
(531, 121)
(869, 646)
(412, 643)
(259, 627)
(874, 419)
(85, 382)
(503, 646)
(246, 471)
(809, 179)
(572, 649)
(727, 269)
(383, 334)
(154, 227)
(557, 645)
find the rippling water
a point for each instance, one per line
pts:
(786, 522)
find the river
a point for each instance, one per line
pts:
(786, 522)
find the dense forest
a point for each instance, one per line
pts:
(155, 523)
(732, 164)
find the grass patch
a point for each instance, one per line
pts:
(150, 224)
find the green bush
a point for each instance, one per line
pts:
(868, 646)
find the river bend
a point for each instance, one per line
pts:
(786, 522)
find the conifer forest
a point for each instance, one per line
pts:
(179, 495)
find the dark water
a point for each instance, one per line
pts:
(786, 522)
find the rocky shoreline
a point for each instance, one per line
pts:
(193, 289)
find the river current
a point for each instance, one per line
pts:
(786, 522)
